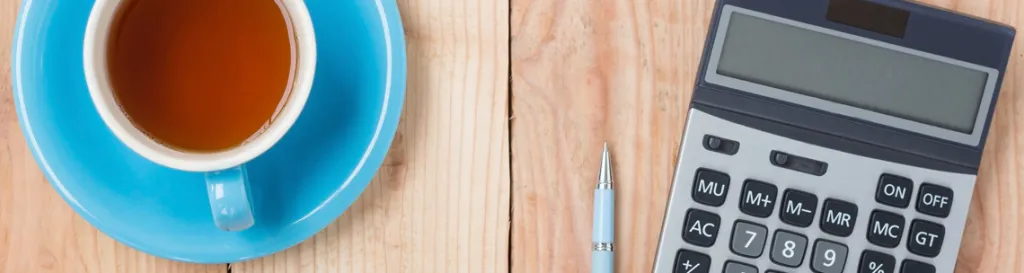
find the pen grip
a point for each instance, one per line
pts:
(602, 262)
(604, 216)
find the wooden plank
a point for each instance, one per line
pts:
(621, 71)
(38, 231)
(440, 203)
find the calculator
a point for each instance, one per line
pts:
(832, 136)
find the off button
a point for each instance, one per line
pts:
(934, 200)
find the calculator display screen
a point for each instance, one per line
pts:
(851, 72)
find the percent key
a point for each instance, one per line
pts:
(876, 262)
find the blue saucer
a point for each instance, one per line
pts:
(299, 186)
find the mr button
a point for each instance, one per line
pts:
(838, 217)
(934, 200)
(925, 238)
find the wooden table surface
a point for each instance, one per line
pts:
(497, 153)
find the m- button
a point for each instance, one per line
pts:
(710, 187)
(934, 200)
(894, 191)
(798, 208)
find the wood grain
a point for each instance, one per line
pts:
(621, 71)
(440, 203)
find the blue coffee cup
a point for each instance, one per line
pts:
(227, 180)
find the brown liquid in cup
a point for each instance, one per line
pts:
(201, 75)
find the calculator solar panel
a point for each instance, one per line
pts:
(832, 136)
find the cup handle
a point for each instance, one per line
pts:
(230, 200)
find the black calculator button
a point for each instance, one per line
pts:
(692, 262)
(894, 190)
(912, 266)
(748, 239)
(798, 208)
(885, 228)
(774, 271)
(876, 262)
(828, 257)
(838, 217)
(710, 187)
(788, 248)
(925, 238)
(934, 200)
(738, 267)
(758, 198)
(701, 227)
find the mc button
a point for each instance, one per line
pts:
(885, 228)
(934, 200)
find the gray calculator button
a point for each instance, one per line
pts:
(828, 257)
(748, 239)
(737, 267)
(788, 248)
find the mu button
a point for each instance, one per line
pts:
(710, 187)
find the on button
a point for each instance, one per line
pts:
(894, 191)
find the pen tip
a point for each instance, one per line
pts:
(605, 175)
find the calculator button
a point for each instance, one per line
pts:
(885, 228)
(894, 190)
(838, 217)
(710, 187)
(692, 262)
(701, 227)
(934, 200)
(828, 257)
(748, 239)
(788, 248)
(758, 198)
(774, 271)
(925, 238)
(912, 266)
(738, 267)
(876, 262)
(798, 208)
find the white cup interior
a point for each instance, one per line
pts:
(96, 75)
